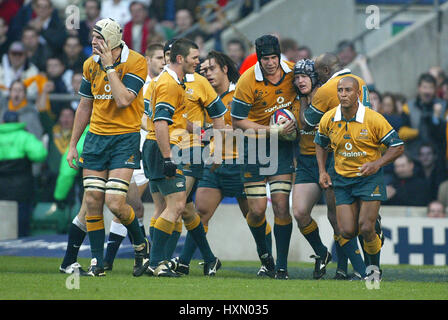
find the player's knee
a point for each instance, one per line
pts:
(138, 208)
(347, 232)
(115, 204)
(94, 201)
(367, 228)
(303, 218)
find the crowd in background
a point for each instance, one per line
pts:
(42, 55)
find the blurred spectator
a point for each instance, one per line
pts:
(26, 111)
(15, 65)
(4, 40)
(199, 39)
(36, 52)
(424, 118)
(347, 55)
(73, 58)
(248, 6)
(164, 11)
(40, 15)
(436, 209)
(375, 100)
(444, 90)
(290, 49)
(400, 100)
(390, 111)
(184, 21)
(440, 76)
(304, 53)
(76, 84)
(18, 150)
(60, 78)
(236, 50)
(137, 31)
(248, 62)
(406, 183)
(8, 9)
(433, 168)
(58, 139)
(346, 52)
(117, 10)
(92, 9)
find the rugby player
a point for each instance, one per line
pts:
(355, 133)
(260, 91)
(167, 114)
(155, 63)
(112, 100)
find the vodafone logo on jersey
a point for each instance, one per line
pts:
(108, 89)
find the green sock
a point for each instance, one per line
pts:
(188, 250)
(351, 250)
(135, 232)
(259, 234)
(314, 240)
(96, 239)
(282, 235)
(366, 255)
(342, 258)
(158, 247)
(200, 238)
(269, 242)
(171, 244)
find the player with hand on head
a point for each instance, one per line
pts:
(155, 63)
(260, 91)
(112, 100)
(355, 133)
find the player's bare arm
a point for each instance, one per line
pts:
(324, 177)
(163, 137)
(389, 156)
(82, 118)
(123, 97)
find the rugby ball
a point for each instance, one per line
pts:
(279, 117)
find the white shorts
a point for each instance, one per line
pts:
(139, 176)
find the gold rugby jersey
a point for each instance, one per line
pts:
(229, 150)
(107, 118)
(355, 141)
(306, 141)
(166, 101)
(256, 99)
(326, 97)
(201, 101)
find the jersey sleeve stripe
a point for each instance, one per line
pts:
(135, 76)
(216, 109)
(86, 96)
(387, 135)
(166, 105)
(242, 102)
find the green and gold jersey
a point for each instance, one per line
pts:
(149, 111)
(229, 148)
(326, 97)
(201, 101)
(355, 141)
(256, 99)
(166, 102)
(107, 118)
(306, 141)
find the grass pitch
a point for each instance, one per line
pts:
(30, 278)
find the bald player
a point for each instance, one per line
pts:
(355, 133)
(112, 100)
(329, 71)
